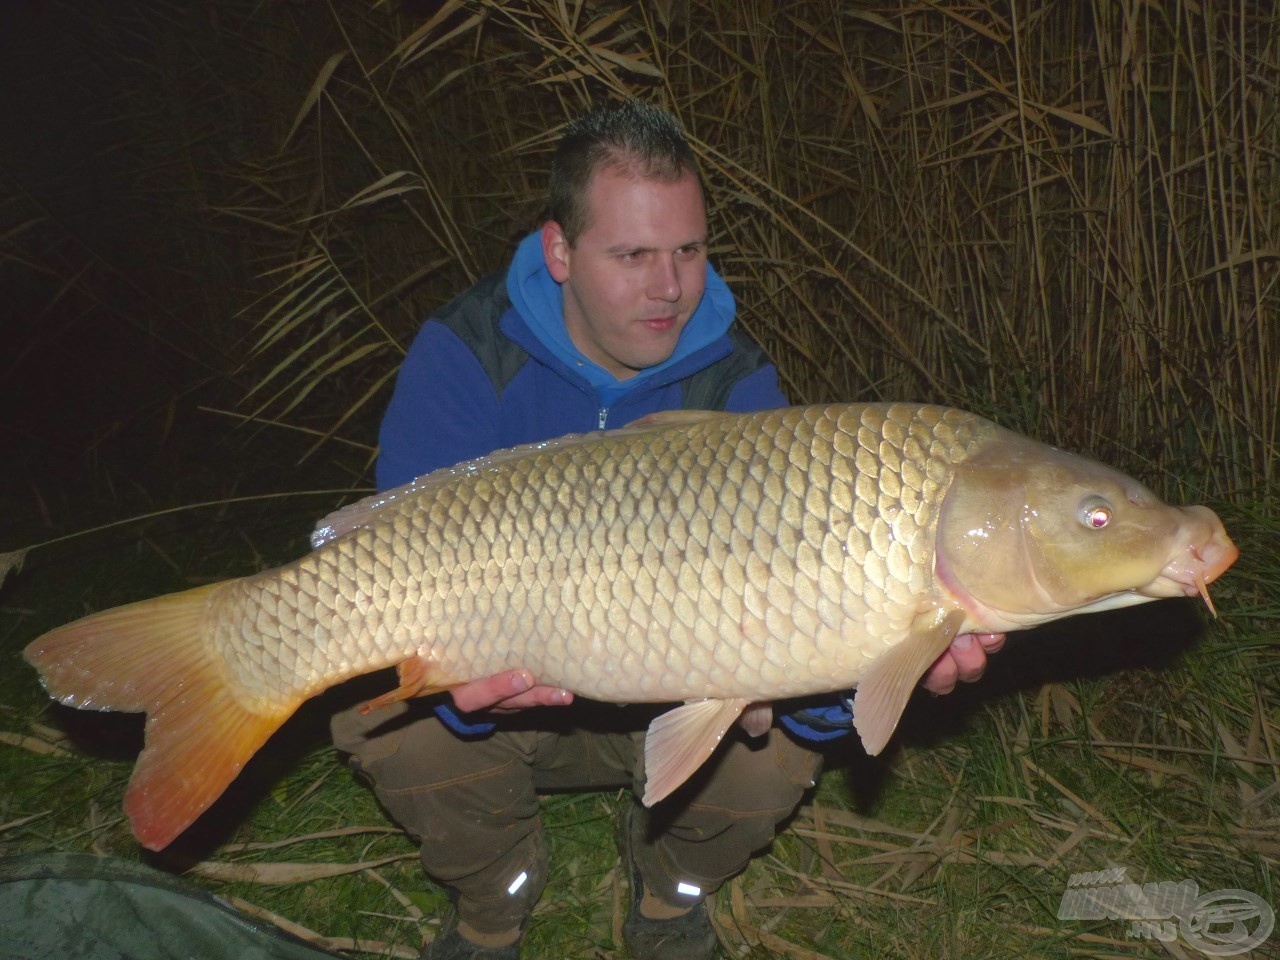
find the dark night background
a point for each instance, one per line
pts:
(121, 283)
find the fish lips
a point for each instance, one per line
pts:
(1208, 554)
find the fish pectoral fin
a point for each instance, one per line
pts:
(680, 740)
(419, 677)
(883, 693)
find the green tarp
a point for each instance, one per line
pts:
(59, 906)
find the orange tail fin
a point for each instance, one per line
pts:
(152, 656)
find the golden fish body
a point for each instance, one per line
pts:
(715, 558)
(731, 557)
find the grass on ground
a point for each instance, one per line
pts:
(1144, 739)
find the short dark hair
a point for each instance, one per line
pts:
(633, 136)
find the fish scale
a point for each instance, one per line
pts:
(719, 559)
(620, 573)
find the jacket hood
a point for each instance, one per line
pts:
(538, 298)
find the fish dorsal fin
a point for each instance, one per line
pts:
(673, 418)
(680, 740)
(362, 513)
(883, 693)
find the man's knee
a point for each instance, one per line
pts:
(732, 812)
(758, 778)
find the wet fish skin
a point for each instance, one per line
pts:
(716, 558)
(617, 567)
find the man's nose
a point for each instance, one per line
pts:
(664, 281)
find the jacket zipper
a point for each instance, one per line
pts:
(604, 415)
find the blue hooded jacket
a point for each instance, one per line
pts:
(496, 368)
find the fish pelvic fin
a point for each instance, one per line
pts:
(680, 740)
(883, 693)
(419, 677)
(153, 657)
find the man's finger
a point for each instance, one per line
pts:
(537, 696)
(483, 694)
(512, 690)
(991, 642)
(942, 676)
(963, 662)
(970, 657)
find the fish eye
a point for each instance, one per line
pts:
(1095, 513)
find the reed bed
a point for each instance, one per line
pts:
(1061, 214)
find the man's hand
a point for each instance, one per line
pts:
(965, 661)
(506, 692)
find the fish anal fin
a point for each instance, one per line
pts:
(883, 693)
(419, 677)
(153, 657)
(680, 740)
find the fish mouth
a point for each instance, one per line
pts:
(1205, 558)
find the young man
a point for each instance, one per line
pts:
(607, 313)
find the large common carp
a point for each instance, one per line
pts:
(719, 559)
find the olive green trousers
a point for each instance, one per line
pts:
(472, 803)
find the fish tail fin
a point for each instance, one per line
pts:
(153, 656)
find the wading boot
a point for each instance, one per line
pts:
(450, 944)
(686, 935)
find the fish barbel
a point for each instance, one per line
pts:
(718, 559)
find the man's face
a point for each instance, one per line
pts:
(637, 272)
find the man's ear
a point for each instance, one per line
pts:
(556, 251)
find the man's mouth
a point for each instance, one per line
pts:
(660, 324)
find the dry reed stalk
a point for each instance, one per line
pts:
(319, 940)
(1063, 216)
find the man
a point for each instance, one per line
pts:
(607, 313)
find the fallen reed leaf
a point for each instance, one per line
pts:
(400, 896)
(23, 821)
(33, 744)
(776, 945)
(1070, 795)
(282, 873)
(1144, 763)
(332, 944)
(306, 837)
(839, 889)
